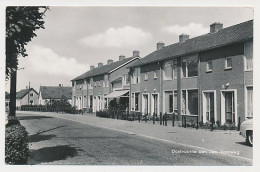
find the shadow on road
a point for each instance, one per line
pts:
(50, 154)
(32, 117)
(243, 143)
(37, 137)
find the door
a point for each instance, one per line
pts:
(145, 96)
(229, 107)
(210, 112)
(155, 104)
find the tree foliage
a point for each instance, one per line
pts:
(21, 24)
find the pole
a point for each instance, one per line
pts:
(173, 119)
(238, 127)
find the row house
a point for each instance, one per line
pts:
(210, 76)
(93, 90)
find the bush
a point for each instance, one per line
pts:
(16, 144)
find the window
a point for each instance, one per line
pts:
(183, 107)
(168, 101)
(168, 71)
(136, 76)
(175, 69)
(249, 101)
(190, 102)
(95, 84)
(91, 83)
(190, 66)
(99, 83)
(125, 80)
(31, 102)
(209, 66)
(228, 63)
(145, 76)
(249, 55)
(31, 94)
(155, 74)
(135, 101)
(175, 108)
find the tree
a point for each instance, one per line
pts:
(21, 24)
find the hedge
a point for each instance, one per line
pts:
(16, 144)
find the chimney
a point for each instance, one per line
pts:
(109, 61)
(183, 37)
(60, 85)
(216, 27)
(136, 53)
(121, 57)
(92, 67)
(160, 45)
(100, 64)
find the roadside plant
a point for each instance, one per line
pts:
(16, 144)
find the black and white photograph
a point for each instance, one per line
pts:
(129, 85)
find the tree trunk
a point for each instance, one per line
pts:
(13, 94)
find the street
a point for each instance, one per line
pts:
(87, 140)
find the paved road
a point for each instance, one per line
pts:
(61, 141)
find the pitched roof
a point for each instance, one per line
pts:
(225, 36)
(55, 92)
(24, 92)
(103, 70)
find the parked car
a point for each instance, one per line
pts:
(246, 130)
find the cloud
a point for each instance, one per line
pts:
(118, 37)
(45, 61)
(192, 29)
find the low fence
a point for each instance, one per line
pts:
(40, 108)
(172, 119)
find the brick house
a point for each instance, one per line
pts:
(210, 76)
(94, 89)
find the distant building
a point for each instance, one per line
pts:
(94, 89)
(26, 97)
(48, 94)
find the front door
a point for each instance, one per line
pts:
(155, 104)
(145, 96)
(210, 112)
(229, 107)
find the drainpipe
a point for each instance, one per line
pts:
(161, 88)
(179, 87)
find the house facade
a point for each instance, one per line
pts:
(93, 90)
(209, 76)
(26, 97)
(48, 94)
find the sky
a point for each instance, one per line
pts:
(76, 37)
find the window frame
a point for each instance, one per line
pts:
(226, 67)
(245, 57)
(146, 76)
(207, 66)
(164, 73)
(155, 74)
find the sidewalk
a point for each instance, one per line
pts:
(192, 138)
